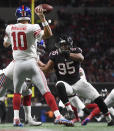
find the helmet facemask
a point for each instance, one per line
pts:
(66, 43)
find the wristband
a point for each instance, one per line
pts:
(45, 23)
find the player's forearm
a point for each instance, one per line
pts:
(48, 67)
(47, 32)
(41, 64)
(77, 57)
(47, 29)
(44, 69)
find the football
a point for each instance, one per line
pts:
(47, 8)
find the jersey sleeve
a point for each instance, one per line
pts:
(7, 35)
(51, 56)
(38, 33)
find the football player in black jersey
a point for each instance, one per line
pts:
(66, 61)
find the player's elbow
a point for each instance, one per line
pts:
(51, 34)
(48, 35)
(81, 58)
(5, 44)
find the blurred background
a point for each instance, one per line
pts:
(89, 22)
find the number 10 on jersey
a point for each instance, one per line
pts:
(19, 41)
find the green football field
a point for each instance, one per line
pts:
(51, 127)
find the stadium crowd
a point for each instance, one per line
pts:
(73, 3)
(91, 32)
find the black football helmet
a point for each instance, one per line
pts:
(65, 42)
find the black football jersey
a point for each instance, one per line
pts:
(66, 69)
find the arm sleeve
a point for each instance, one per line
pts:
(51, 56)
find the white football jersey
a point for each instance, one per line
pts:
(22, 37)
(1, 72)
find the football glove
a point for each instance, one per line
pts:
(65, 53)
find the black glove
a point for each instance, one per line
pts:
(65, 53)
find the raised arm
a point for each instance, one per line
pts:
(47, 29)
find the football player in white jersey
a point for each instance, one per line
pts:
(66, 61)
(22, 37)
(6, 83)
(109, 101)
